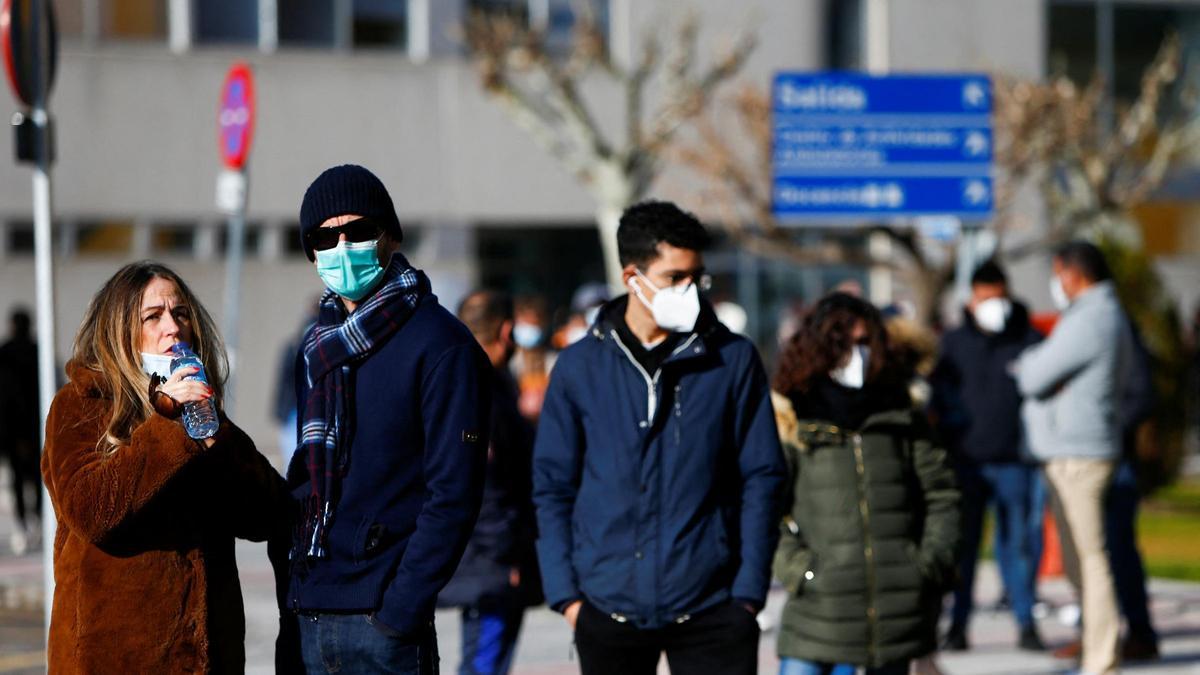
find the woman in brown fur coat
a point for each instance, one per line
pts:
(147, 516)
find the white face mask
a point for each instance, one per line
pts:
(675, 308)
(854, 373)
(991, 315)
(157, 364)
(1059, 294)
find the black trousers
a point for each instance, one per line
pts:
(722, 641)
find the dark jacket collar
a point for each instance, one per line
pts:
(702, 338)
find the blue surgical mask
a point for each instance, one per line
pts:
(527, 335)
(350, 269)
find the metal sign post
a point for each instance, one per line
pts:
(29, 38)
(235, 121)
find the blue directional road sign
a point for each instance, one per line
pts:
(848, 145)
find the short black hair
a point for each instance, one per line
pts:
(647, 224)
(990, 272)
(1086, 258)
(484, 311)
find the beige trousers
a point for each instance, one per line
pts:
(1079, 485)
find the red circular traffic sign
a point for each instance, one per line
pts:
(235, 119)
(24, 50)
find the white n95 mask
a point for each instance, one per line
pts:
(992, 314)
(854, 373)
(675, 308)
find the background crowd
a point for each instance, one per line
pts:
(883, 444)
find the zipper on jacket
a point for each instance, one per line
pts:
(868, 549)
(651, 382)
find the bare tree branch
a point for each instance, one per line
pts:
(693, 95)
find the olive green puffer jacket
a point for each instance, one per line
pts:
(868, 545)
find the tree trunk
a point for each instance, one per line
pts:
(608, 217)
(615, 186)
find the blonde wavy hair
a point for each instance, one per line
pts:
(109, 342)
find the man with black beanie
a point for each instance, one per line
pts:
(394, 397)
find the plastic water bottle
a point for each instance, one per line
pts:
(199, 417)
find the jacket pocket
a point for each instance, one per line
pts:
(369, 539)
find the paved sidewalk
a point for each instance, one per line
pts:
(545, 647)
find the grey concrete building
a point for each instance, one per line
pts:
(385, 83)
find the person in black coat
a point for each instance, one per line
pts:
(20, 426)
(498, 575)
(978, 410)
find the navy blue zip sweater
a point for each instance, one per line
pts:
(415, 479)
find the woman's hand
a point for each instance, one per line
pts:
(168, 396)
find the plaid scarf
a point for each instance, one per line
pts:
(331, 348)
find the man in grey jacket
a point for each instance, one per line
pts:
(1073, 381)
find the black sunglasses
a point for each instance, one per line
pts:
(324, 238)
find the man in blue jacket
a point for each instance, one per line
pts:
(657, 468)
(979, 415)
(393, 396)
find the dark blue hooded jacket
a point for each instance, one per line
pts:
(657, 493)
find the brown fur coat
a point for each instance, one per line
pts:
(144, 553)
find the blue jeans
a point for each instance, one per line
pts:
(1038, 500)
(489, 639)
(1009, 487)
(789, 666)
(1129, 575)
(347, 643)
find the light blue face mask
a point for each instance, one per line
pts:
(350, 269)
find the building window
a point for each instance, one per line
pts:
(105, 237)
(173, 239)
(554, 18)
(550, 261)
(844, 50)
(250, 244)
(306, 22)
(20, 237)
(291, 241)
(1139, 29)
(227, 21)
(380, 23)
(133, 19)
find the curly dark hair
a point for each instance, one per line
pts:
(647, 224)
(824, 339)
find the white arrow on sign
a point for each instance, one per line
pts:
(973, 94)
(975, 144)
(976, 193)
(893, 195)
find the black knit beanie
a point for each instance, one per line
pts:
(347, 189)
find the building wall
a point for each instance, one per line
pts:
(136, 133)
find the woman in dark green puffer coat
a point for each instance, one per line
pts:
(868, 545)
